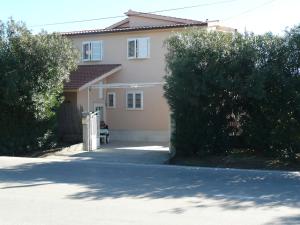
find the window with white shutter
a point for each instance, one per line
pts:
(142, 48)
(138, 48)
(92, 51)
(96, 47)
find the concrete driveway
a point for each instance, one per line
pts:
(119, 152)
(68, 190)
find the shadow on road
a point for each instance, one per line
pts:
(232, 188)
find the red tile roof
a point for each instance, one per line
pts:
(158, 16)
(127, 29)
(87, 73)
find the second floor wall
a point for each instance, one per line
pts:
(141, 53)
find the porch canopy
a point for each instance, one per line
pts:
(86, 75)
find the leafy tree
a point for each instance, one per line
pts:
(197, 90)
(32, 71)
(229, 90)
(273, 122)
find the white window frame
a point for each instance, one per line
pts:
(135, 51)
(82, 49)
(136, 56)
(134, 102)
(148, 48)
(101, 50)
(129, 92)
(114, 100)
(90, 58)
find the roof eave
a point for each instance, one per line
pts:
(104, 31)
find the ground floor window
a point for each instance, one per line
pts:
(134, 100)
(111, 100)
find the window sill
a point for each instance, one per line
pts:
(134, 109)
(100, 60)
(137, 58)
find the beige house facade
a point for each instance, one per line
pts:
(120, 72)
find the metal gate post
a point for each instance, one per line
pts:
(98, 129)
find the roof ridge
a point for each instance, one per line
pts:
(150, 13)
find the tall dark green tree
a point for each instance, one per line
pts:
(33, 68)
(198, 90)
(272, 125)
(229, 90)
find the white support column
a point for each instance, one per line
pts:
(88, 103)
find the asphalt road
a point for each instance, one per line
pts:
(90, 191)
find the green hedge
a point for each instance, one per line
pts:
(32, 71)
(229, 90)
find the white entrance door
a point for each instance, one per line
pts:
(101, 108)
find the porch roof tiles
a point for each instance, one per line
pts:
(88, 73)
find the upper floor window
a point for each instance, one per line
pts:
(92, 51)
(138, 48)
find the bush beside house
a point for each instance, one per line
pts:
(32, 71)
(228, 90)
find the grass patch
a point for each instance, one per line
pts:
(44, 152)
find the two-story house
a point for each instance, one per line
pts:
(128, 52)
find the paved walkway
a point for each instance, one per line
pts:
(81, 190)
(120, 152)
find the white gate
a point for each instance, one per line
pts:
(91, 130)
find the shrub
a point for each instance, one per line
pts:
(229, 89)
(32, 71)
(273, 122)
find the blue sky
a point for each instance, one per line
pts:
(269, 15)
